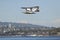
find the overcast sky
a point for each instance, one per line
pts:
(49, 15)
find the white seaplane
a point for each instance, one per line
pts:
(31, 10)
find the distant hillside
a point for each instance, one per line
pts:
(10, 28)
(7, 24)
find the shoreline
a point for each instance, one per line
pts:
(27, 35)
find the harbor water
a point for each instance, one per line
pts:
(30, 38)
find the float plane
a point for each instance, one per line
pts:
(31, 10)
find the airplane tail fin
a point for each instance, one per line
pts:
(36, 9)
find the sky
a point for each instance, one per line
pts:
(49, 15)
